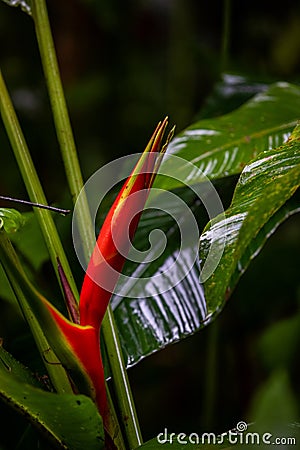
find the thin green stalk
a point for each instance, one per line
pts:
(113, 425)
(210, 385)
(33, 185)
(75, 181)
(120, 378)
(225, 34)
(61, 120)
(56, 372)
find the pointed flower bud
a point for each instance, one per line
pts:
(118, 230)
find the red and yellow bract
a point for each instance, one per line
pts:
(124, 215)
(78, 345)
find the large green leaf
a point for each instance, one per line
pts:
(151, 322)
(70, 421)
(222, 146)
(264, 187)
(155, 319)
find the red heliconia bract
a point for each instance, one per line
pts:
(78, 344)
(112, 243)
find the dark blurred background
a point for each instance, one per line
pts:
(124, 66)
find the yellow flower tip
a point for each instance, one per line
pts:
(157, 144)
(159, 132)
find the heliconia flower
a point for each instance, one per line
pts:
(117, 231)
(76, 342)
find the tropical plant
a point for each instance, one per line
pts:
(165, 293)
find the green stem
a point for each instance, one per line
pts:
(33, 185)
(57, 374)
(120, 378)
(61, 120)
(211, 370)
(225, 35)
(75, 181)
